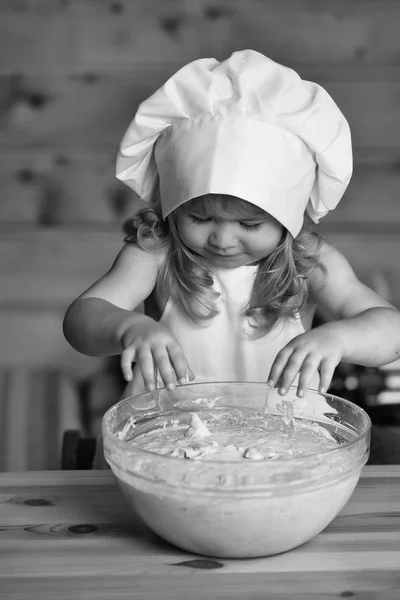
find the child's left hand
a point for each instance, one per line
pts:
(316, 350)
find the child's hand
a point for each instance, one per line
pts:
(319, 349)
(154, 348)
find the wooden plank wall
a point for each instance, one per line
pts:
(71, 76)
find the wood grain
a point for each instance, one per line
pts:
(34, 339)
(71, 76)
(77, 112)
(47, 35)
(71, 189)
(44, 265)
(70, 533)
(36, 407)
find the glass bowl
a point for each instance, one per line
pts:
(236, 509)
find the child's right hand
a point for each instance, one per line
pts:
(153, 347)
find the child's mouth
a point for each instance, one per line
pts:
(223, 255)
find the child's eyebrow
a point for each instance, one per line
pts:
(259, 218)
(255, 219)
(198, 213)
(237, 217)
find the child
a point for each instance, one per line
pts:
(229, 156)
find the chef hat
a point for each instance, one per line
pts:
(246, 127)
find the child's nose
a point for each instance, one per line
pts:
(222, 237)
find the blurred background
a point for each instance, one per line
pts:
(72, 73)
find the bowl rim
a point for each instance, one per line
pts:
(123, 445)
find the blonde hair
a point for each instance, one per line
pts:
(280, 287)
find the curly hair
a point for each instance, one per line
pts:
(280, 287)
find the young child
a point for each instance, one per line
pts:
(229, 156)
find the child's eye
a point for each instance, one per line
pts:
(201, 220)
(252, 227)
(197, 219)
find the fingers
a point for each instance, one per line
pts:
(127, 358)
(297, 364)
(146, 363)
(148, 368)
(308, 369)
(279, 365)
(292, 363)
(169, 362)
(326, 371)
(292, 368)
(162, 360)
(173, 366)
(179, 364)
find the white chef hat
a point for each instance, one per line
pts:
(247, 127)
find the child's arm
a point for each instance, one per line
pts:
(366, 329)
(103, 320)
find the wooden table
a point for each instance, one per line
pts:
(69, 534)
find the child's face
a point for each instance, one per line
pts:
(228, 234)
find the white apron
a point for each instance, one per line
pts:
(221, 349)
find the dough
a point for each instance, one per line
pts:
(234, 481)
(235, 434)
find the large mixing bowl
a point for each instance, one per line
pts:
(236, 509)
